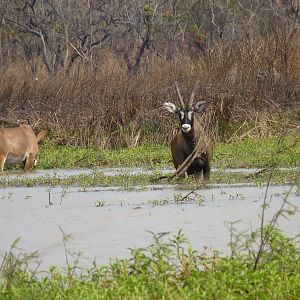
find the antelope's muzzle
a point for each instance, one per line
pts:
(186, 128)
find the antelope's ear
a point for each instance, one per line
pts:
(170, 107)
(199, 106)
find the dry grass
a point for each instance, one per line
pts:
(103, 106)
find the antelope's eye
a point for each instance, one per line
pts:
(190, 115)
(181, 113)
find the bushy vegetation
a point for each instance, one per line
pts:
(168, 269)
(114, 110)
(98, 77)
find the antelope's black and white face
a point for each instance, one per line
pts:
(186, 119)
(186, 115)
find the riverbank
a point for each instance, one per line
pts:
(245, 153)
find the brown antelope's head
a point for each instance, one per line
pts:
(186, 111)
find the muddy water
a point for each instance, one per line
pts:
(105, 222)
(63, 173)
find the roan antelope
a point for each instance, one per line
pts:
(190, 147)
(19, 144)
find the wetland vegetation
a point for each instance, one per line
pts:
(169, 268)
(261, 155)
(254, 152)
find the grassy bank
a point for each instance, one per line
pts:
(247, 153)
(168, 269)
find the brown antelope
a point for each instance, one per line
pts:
(189, 146)
(19, 144)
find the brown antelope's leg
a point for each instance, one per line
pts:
(2, 162)
(29, 163)
(200, 175)
(206, 172)
(206, 176)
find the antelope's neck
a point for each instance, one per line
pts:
(190, 139)
(193, 136)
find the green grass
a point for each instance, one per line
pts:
(259, 152)
(52, 156)
(168, 269)
(247, 153)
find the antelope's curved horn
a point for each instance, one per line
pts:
(193, 94)
(179, 95)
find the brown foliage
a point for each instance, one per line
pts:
(106, 107)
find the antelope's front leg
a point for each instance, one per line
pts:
(206, 172)
(29, 162)
(2, 162)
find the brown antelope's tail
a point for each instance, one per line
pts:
(41, 135)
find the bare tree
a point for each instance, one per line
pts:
(58, 31)
(62, 32)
